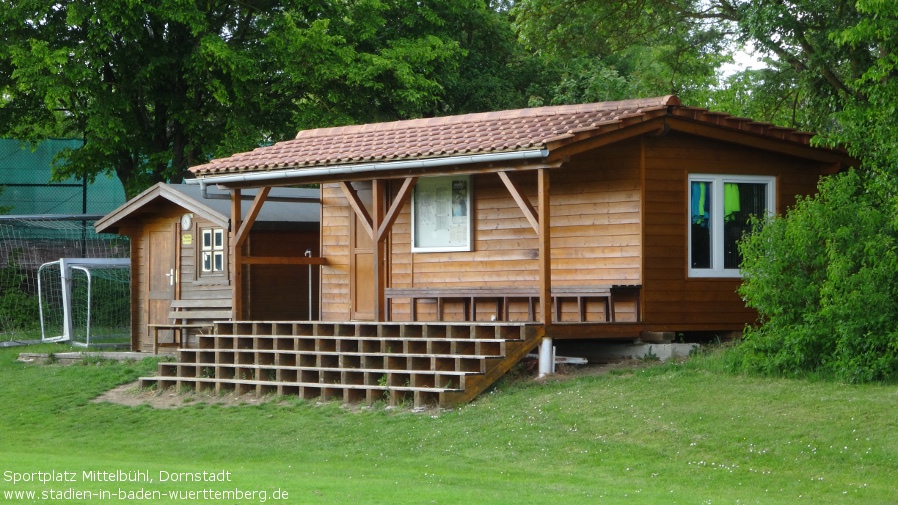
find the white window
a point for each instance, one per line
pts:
(212, 251)
(720, 208)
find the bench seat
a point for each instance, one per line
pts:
(501, 296)
(187, 315)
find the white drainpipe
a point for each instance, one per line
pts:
(546, 357)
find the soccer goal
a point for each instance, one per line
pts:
(85, 301)
(26, 243)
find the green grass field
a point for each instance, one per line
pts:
(666, 434)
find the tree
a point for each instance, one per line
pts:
(157, 86)
(600, 50)
(823, 277)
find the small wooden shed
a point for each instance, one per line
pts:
(181, 250)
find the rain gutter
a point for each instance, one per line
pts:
(293, 173)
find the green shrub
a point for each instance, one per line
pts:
(824, 280)
(19, 310)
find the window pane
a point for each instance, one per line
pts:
(219, 261)
(219, 234)
(207, 262)
(700, 200)
(207, 239)
(740, 202)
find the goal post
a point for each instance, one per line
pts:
(79, 296)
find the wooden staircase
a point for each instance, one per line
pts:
(422, 364)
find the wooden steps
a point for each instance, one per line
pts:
(419, 363)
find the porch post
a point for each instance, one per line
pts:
(546, 360)
(545, 249)
(237, 258)
(378, 189)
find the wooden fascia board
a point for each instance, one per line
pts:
(603, 136)
(358, 207)
(251, 215)
(759, 141)
(161, 190)
(522, 201)
(405, 192)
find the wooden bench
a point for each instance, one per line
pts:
(501, 296)
(185, 315)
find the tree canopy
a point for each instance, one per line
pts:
(156, 86)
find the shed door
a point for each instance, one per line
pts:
(160, 263)
(361, 284)
(362, 280)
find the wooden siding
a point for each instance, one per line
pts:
(280, 292)
(272, 291)
(671, 299)
(595, 237)
(619, 216)
(335, 218)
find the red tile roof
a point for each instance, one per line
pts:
(469, 134)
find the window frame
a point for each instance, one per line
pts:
(717, 182)
(440, 241)
(213, 250)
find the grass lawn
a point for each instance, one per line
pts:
(666, 434)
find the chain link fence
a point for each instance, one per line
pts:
(43, 222)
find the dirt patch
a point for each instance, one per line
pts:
(132, 395)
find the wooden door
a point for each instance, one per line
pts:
(361, 267)
(160, 275)
(362, 276)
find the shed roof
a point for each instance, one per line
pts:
(217, 206)
(543, 131)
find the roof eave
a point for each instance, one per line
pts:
(348, 172)
(110, 222)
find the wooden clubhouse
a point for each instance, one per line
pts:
(453, 246)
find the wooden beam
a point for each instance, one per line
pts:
(378, 191)
(236, 257)
(758, 141)
(279, 260)
(251, 215)
(545, 249)
(567, 149)
(405, 192)
(358, 207)
(522, 201)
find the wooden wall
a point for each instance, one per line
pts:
(619, 216)
(274, 292)
(159, 218)
(335, 228)
(280, 292)
(671, 300)
(595, 236)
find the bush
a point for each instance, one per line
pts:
(823, 279)
(18, 312)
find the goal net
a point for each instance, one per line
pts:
(26, 243)
(85, 301)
